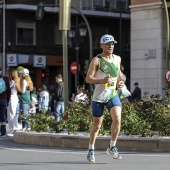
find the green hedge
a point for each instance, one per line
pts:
(144, 118)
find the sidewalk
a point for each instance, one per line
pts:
(102, 142)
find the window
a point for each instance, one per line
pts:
(86, 4)
(98, 31)
(58, 37)
(101, 5)
(98, 3)
(123, 4)
(126, 39)
(94, 4)
(25, 33)
(57, 2)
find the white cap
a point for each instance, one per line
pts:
(107, 38)
(24, 71)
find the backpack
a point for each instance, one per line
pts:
(2, 85)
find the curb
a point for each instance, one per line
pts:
(82, 142)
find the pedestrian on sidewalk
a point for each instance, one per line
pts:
(5, 94)
(12, 115)
(136, 94)
(59, 98)
(24, 96)
(104, 72)
(81, 95)
(44, 99)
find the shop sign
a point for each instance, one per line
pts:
(12, 60)
(39, 61)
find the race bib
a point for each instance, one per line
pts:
(111, 85)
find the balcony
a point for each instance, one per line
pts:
(106, 5)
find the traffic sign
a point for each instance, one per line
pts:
(167, 75)
(73, 67)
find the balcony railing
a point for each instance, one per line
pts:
(105, 5)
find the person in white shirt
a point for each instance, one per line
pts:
(44, 99)
(12, 115)
(81, 95)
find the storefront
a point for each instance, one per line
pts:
(42, 68)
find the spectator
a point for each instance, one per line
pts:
(5, 94)
(12, 115)
(24, 96)
(136, 95)
(34, 93)
(81, 95)
(59, 98)
(44, 99)
(34, 101)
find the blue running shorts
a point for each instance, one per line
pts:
(98, 107)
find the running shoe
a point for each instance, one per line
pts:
(90, 156)
(113, 152)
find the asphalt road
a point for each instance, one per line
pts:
(14, 156)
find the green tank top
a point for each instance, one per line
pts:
(24, 97)
(104, 92)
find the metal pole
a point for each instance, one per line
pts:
(167, 35)
(3, 56)
(64, 25)
(77, 60)
(77, 52)
(65, 67)
(75, 81)
(120, 30)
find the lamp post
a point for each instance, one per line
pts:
(2, 3)
(76, 34)
(120, 30)
(167, 54)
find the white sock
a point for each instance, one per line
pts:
(112, 143)
(91, 146)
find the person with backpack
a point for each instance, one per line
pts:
(5, 94)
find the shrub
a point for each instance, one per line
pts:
(138, 118)
(131, 123)
(79, 117)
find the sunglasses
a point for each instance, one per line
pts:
(110, 43)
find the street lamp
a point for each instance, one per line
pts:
(167, 35)
(76, 34)
(120, 30)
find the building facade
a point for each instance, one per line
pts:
(37, 44)
(148, 45)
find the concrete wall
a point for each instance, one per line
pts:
(73, 141)
(148, 47)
